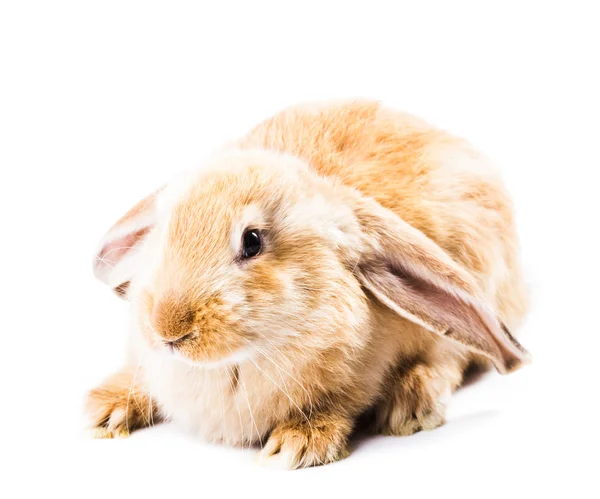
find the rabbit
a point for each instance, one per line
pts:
(342, 262)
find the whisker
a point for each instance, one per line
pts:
(229, 374)
(357, 261)
(272, 343)
(282, 390)
(289, 374)
(312, 354)
(105, 262)
(117, 249)
(312, 433)
(109, 263)
(129, 396)
(241, 379)
(150, 411)
(222, 407)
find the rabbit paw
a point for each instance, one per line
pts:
(417, 401)
(306, 442)
(117, 407)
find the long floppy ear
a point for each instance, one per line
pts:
(416, 278)
(114, 262)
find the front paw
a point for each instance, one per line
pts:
(117, 407)
(304, 442)
(416, 401)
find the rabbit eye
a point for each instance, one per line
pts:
(251, 243)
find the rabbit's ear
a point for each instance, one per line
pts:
(114, 262)
(416, 278)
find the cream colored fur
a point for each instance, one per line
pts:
(289, 349)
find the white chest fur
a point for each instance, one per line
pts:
(236, 405)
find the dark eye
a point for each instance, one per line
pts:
(251, 243)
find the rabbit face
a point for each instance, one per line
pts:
(248, 255)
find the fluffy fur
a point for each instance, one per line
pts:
(389, 265)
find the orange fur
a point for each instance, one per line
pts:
(302, 339)
(120, 406)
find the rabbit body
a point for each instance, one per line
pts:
(319, 341)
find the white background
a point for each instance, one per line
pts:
(100, 102)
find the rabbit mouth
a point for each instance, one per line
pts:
(175, 344)
(183, 349)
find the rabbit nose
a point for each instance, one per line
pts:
(172, 320)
